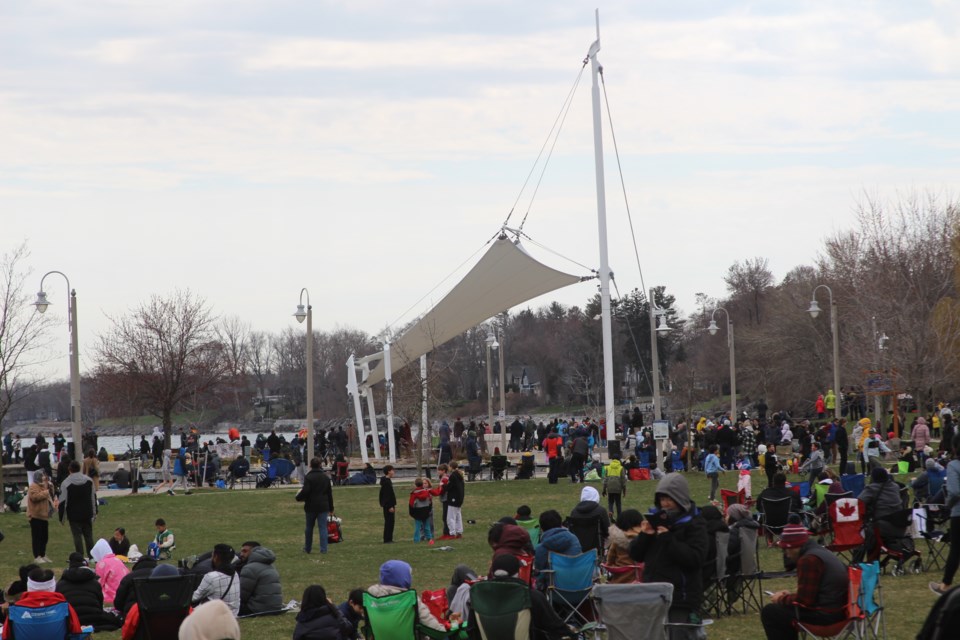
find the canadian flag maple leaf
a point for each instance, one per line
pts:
(846, 509)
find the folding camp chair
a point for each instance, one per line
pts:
(870, 602)
(569, 580)
(41, 623)
(852, 622)
(728, 497)
(745, 591)
(820, 493)
(634, 611)
(498, 465)
(853, 483)
(899, 548)
(846, 523)
(714, 593)
(533, 528)
(775, 515)
(163, 603)
(937, 478)
(934, 533)
(394, 617)
(624, 574)
(588, 531)
(501, 610)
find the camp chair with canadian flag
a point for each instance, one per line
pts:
(846, 523)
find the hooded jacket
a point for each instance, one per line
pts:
(558, 540)
(455, 489)
(589, 522)
(81, 588)
(514, 541)
(616, 479)
(618, 555)
(324, 623)
(78, 500)
(678, 555)
(210, 621)
(316, 493)
(260, 589)
(109, 568)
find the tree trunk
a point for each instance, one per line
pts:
(167, 428)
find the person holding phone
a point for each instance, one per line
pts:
(672, 544)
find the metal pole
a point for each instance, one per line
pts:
(503, 405)
(835, 325)
(733, 373)
(374, 433)
(309, 455)
(609, 399)
(358, 411)
(391, 441)
(489, 389)
(425, 419)
(76, 424)
(655, 362)
(876, 396)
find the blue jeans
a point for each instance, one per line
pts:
(422, 530)
(319, 519)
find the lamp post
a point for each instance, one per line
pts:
(307, 315)
(503, 405)
(655, 328)
(814, 311)
(75, 416)
(492, 344)
(713, 328)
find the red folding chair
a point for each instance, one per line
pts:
(729, 497)
(852, 623)
(626, 574)
(526, 569)
(846, 522)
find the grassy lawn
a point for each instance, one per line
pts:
(273, 518)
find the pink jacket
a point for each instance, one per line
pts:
(920, 435)
(109, 569)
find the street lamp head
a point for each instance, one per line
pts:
(713, 328)
(300, 315)
(662, 326)
(41, 303)
(814, 309)
(490, 339)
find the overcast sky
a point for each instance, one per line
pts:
(365, 149)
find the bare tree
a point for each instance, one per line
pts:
(165, 352)
(234, 335)
(747, 282)
(260, 359)
(21, 335)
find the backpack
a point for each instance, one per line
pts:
(943, 619)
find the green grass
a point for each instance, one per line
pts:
(273, 518)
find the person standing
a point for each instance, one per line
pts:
(388, 502)
(17, 448)
(91, 468)
(842, 442)
(711, 467)
(317, 498)
(40, 502)
(78, 502)
(552, 445)
(455, 491)
(952, 494)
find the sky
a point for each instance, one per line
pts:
(368, 149)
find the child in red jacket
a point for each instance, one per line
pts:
(421, 508)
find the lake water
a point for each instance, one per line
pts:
(120, 444)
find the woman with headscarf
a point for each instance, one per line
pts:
(109, 568)
(320, 619)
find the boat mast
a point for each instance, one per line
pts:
(609, 400)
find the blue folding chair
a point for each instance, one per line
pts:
(569, 582)
(804, 488)
(42, 623)
(871, 602)
(644, 459)
(936, 481)
(853, 483)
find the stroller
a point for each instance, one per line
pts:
(896, 544)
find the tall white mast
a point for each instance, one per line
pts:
(608, 396)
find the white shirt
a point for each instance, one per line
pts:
(219, 586)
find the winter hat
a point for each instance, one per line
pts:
(590, 494)
(210, 621)
(879, 475)
(504, 565)
(737, 512)
(930, 464)
(726, 423)
(396, 573)
(793, 537)
(76, 559)
(164, 571)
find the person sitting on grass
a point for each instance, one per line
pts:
(352, 608)
(221, 583)
(553, 537)
(163, 543)
(320, 619)
(210, 620)
(260, 590)
(509, 538)
(125, 597)
(396, 576)
(119, 543)
(110, 569)
(81, 588)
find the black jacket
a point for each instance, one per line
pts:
(387, 496)
(81, 588)
(455, 490)
(676, 557)
(316, 493)
(325, 623)
(545, 624)
(126, 597)
(591, 524)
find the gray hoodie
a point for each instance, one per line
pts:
(675, 486)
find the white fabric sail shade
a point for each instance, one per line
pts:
(504, 277)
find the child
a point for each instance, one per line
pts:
(444, 478)
(711, 467)
(388, 501)
(770, 463)
(615, 486)
(163, 543)
(744, 482)
(420, 506)
(454, 490)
